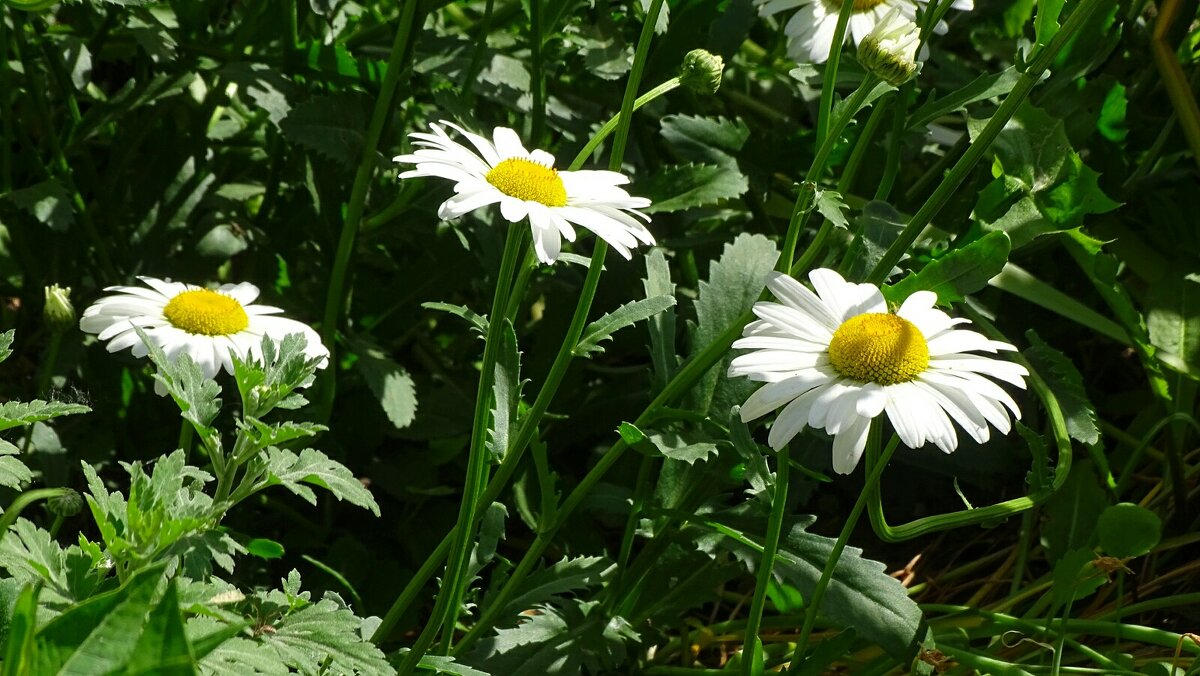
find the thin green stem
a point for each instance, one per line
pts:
(808, 189)
(975, 152)
(24, 500)
(338, 291)
(766, 566)
(850, 171)
(891, 162)
(610, 126)
(813, 607)
(537, 73)
(829, 85)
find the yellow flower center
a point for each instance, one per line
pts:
(527, 180)
(206, 313)
(879, 348)
(860, 6)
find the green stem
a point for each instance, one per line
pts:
(537, 73)
(808, 190)
(24, 500)
(476, 62)
(611, 125)
(814, 602)
(455, 582)
(829, 86)
(850, 171)
(338, 291)
(983, 141)
(684, 380)
(891, 163)
(766, 567)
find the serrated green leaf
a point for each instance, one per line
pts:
(506, 391)
(263, 435)
(1067, 384)
(333, 126)
(562, 639)
(271, 383)
(829, 204)
(627, 315)
(673, 446)
(689, 186)
(478, 321)
(13, 472)
(548, 584)
(16, 413)
(325, 637)
(266, 87)
(443, 664)
(662, 325)
(292, 471)
(67, 575)
(735, 282)
(705, 140)
(6, 340)
(392, 386)
(960, 272)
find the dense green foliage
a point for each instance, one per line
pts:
(577, 418)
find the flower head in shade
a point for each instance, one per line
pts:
(526, 185)
(837, 358)
(209, 325)
(890, 49)
(810, 30)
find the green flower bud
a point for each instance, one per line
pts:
(69, 503)
(58, 312)
(701, 71)
(890, 50)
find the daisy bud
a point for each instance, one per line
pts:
(58, 313)
(890, 50)
(701, 71)
(69, 503)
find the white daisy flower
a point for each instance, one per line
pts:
(837, 358)
(526, 185)
(810, 30)
(208, 325)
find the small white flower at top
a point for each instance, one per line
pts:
(837, 358)
(526, 185)
(810, 30)
(209, 325)
(890, 49)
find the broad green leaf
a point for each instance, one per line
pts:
(13, 472)
(1046, 20)
(1173, 320)
(478, 321)
(16, 413)
(876, 228)
(19, 646)
(662, 325)
(1075, 577)
(313, 467)
(705, 140)
(224, 241)
(1112, 123)
(960, 272)
(735, 282)
(325, 633)
(389, 382)
(263, 435)
(270, 383)
(688, 186)
(98, 636)
(66, 575)
(860, 594)
(265, 549)
(627, 315)
(6, 340)
(987, 86)
(1067, 384)
(266, 88)
(333, 126)
(1041, 185)
(506, 391)
(48, 202)
(491, 532)
(163, 648)
(829, 204)
(195, 395)
(1071, 513)
(1128, 530)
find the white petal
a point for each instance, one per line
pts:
(773, 395)
(513, 209)
(794, 294)
(508, 144)
(844, 299)
(849, 444)
(793, 418)
(872, 399)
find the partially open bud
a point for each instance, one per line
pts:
(701, 71)
(58, 313)
(890, 49)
